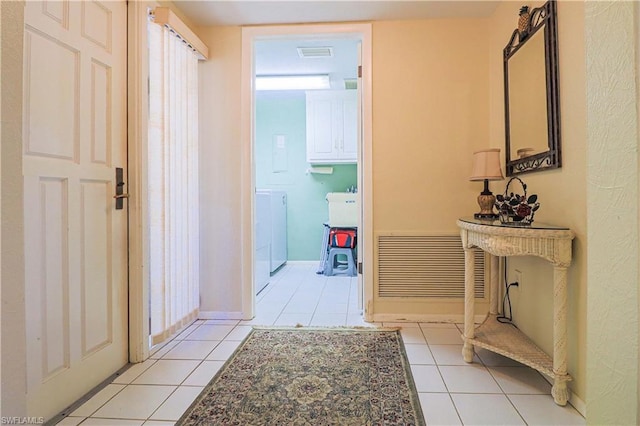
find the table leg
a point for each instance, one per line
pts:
(559, 390)
(469, 301)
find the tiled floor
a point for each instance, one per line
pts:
(491, 391)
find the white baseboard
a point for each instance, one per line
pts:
(303, 262)
(208, 315)
(575, 402)
(578, 404)
(436, 318)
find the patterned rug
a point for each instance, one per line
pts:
(311, 376)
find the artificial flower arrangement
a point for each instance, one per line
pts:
(516, 209)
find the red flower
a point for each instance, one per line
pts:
(523, 210)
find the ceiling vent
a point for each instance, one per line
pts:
(315, 52)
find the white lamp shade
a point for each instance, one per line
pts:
(486, 165)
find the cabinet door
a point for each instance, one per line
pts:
(332, 121)
(322, 142)
(349, 144)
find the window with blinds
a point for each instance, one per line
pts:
(172, 178)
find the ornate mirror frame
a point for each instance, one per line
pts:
(541, 19)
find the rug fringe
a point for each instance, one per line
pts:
(332, 328)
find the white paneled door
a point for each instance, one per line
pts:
(75, 239)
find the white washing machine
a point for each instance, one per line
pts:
(270, 234)
(278, 213)
(262, 255)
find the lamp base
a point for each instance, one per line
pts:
(485, 216)
(486, 202)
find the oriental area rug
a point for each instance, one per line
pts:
(311, 376)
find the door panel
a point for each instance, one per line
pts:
(350, 119)
(322, 131)
(96, 285)
(75, 240)
(51, 68)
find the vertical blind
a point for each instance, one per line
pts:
(172, 176)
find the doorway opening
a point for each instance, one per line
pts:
(289, 183)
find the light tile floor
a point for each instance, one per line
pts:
(491, 391)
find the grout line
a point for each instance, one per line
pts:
(455, 407)
(162, 403)
(112, 418)
(292, 281)
(142, 372)
(514, 407)
(93, 392)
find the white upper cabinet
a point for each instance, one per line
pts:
(332, 119)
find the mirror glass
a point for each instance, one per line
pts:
(528, 100)
(531, 98)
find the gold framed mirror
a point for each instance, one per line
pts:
(532, 107)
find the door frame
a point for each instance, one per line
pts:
(13, 397)
(247, 133)
(137, 99)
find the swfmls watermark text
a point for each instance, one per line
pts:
(5, 420)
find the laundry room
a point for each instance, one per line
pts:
(305, 151)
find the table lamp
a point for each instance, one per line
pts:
(486, 167)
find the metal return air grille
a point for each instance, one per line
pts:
(425, 266)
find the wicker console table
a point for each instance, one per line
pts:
(548, 242)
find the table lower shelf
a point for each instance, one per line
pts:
(507, 340)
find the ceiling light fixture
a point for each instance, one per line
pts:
(293, 82)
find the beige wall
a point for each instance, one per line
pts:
(430, 97)
(0, 210)
(562, 192)
(220, 186)
(13, 319)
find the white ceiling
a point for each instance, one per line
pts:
(280, 57)
(241, 12)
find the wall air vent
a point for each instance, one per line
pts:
(350, 83)
(315, 52)
(429, 266)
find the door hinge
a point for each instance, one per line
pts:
(360, 268)
(359, 71)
